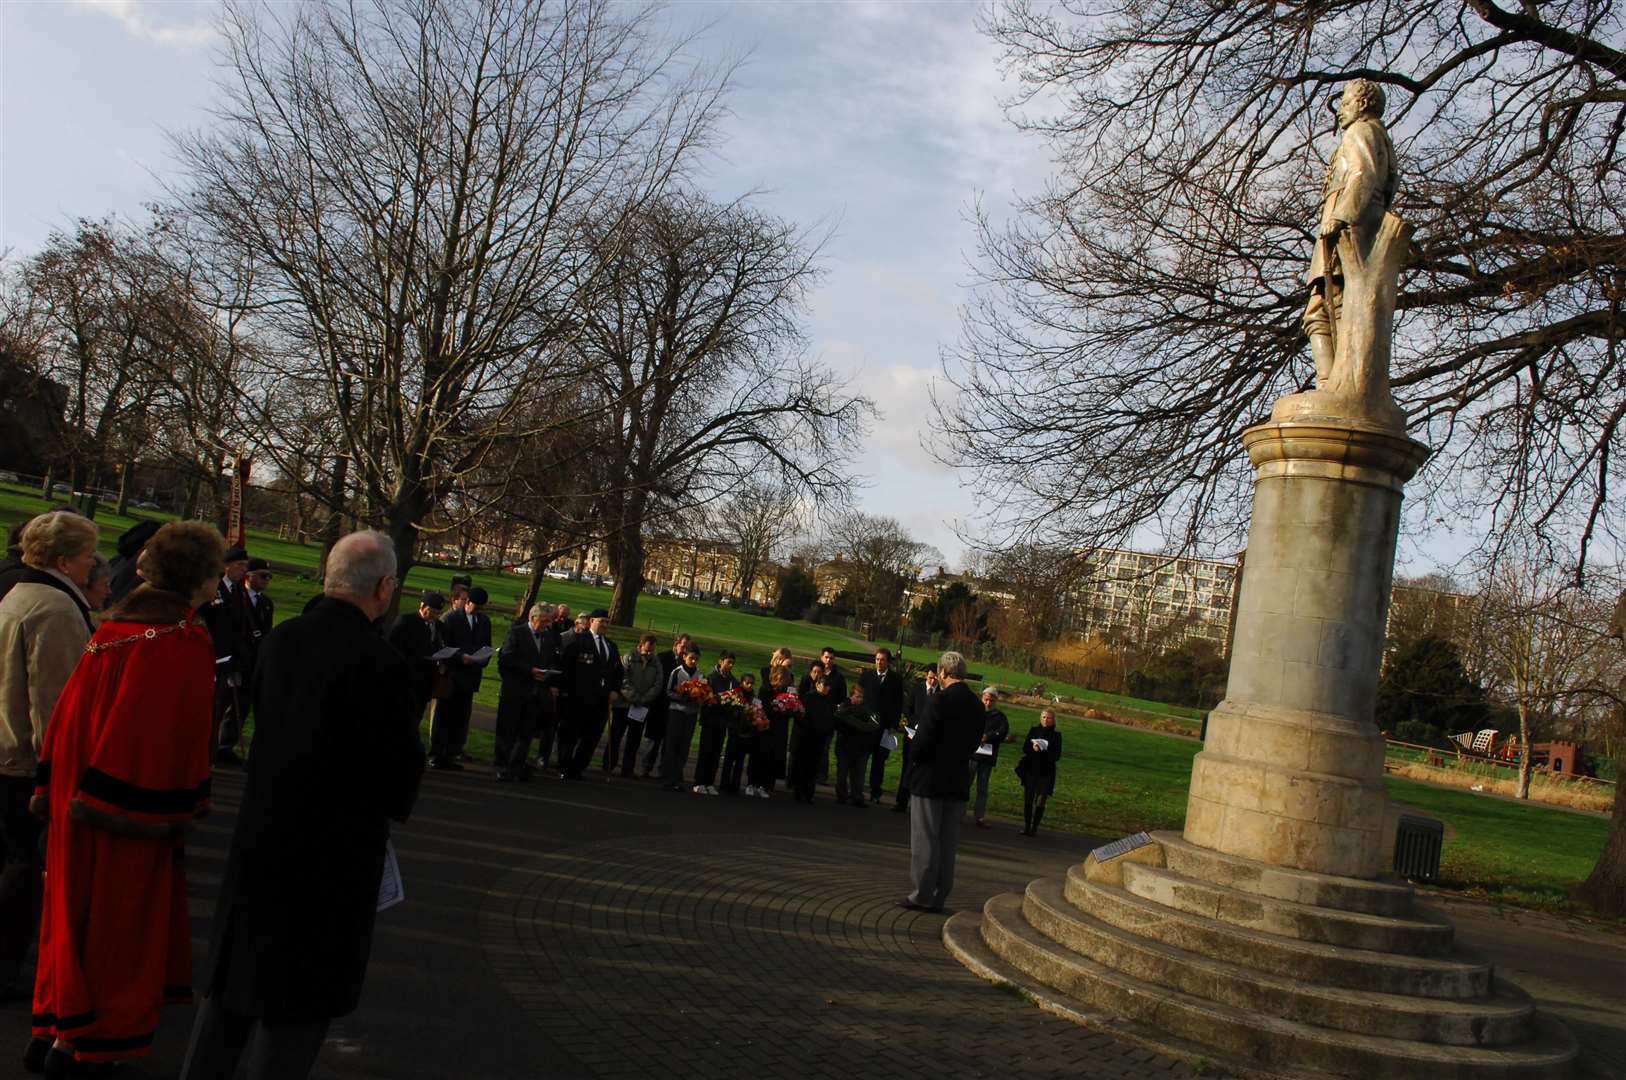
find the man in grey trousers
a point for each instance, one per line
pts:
(939, 785)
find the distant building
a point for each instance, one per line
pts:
(694, 566)
(1140, 599)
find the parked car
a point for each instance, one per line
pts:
(558, 575)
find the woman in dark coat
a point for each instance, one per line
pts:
(1037, 770)
(768, 760)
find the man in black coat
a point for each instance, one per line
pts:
(939, 785)
(228, 620)
(883, 696)
(336, 757)
(124, 578)
(918, 705)
(469, 629)
(528, 659)
(590, 679)
(838, 690)
(416, 636)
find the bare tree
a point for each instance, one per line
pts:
(758, 518)
(406, 177)
(1144, 308)
(692, 324)
(879, 559)
(99, 293)
(1604, 890)
(1540, 642)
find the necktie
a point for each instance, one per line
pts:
(603, 653)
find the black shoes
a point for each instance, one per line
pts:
(900, 808)
(227, 756)
(34, 1055)
(909, 905)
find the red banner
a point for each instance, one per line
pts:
(235, 531)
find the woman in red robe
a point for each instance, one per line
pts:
(123, 774)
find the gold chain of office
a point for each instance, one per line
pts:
(148, 634)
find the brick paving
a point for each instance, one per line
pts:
(608, 929)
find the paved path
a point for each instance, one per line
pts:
(607, 929)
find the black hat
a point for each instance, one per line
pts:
(255, 565)
(598, 613)
(235, 553)
(461, 579)
(133, 539)
(479, 595)
(432, 600)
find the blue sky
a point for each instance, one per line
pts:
(882, 119)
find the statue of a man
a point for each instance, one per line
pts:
(1361, 182)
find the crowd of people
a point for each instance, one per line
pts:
(565, 686)
(123, 682)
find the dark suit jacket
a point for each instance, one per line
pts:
(944, 742)
(336, 755)
(918, 703)
(883, 697)
(227, 617)
(455, 630)
(586, 678)
(519, 655)
(416, 641)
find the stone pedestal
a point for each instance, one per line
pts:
(1267, 939)
(1292, 770)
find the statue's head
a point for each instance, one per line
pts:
(1361, 98)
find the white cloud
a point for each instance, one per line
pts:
(137, 19)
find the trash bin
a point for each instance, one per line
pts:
(1417, 848)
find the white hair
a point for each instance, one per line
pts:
(951, 664)
(358, 562)
(539, 609)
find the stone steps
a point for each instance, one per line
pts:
(1395, 898)
(1417, 935)
(1250, 1036)
(1316, 962)
(1495, 1021)
(962, 935)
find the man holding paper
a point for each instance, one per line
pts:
(336, 758)
(883, 694)
(417, 638)
(529, 659)
(468, 628)
(939, 784)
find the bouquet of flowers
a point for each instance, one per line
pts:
(758, 716)
(727, 710)
(788, 704)
(696, 692)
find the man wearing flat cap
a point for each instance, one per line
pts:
(468, 629)
(416, 636)
(230, 627)
(591, 678)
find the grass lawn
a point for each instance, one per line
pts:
(1113, 780)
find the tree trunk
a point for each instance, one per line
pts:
(1522, 791)
(625, 549)
(123, 506)
(403, 532)
(194, 489)
(333, 527)
(539, 561)
(1605, 890)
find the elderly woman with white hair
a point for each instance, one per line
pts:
(44, 624)
(995, 730)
